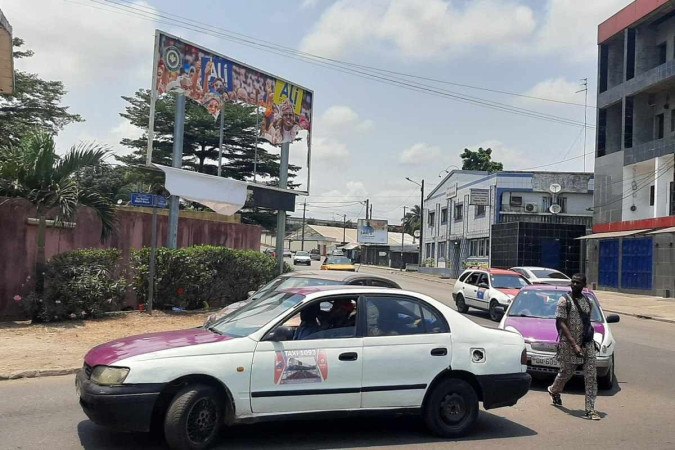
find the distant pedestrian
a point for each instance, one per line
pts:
(572, 317)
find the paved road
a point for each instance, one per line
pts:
(43, 413)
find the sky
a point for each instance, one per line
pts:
(368, 133)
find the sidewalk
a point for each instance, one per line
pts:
(642, 306)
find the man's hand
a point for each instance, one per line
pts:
(578, 350)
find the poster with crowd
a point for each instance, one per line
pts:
(211, 79)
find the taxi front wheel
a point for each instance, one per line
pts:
(194, 418)
(451, 408)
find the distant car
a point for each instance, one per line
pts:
(303, 279)
(301, 257)
(315, 255)
(337, 253)
(532, 314)
(487, 289)
(287, 253)
(270, 252)
(338, 263)
(400, 352)
(543, 275)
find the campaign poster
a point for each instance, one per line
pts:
(211, 79)
(372, 231)
(300, 366)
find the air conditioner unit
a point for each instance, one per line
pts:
(530, 207)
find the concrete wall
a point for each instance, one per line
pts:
(18, 240)
(608, 188)
(614, 141)
(664, 264)
(615, 62)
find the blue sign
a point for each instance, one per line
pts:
(148, 200)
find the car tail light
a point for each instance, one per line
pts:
(523, 357)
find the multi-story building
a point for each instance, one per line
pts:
(631, 248)
(507, 219)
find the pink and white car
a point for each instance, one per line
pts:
(301, 352)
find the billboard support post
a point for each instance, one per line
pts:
(153, 101)
(220, 139)
(153, 256)
(402, 236)
(255, 157)
(281, 214)
(176, 161)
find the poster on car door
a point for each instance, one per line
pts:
(300, 366)
(372, 231)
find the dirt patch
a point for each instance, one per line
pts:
(25, 347)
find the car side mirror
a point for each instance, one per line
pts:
(483, 285)
(280, 334)
(613, 318)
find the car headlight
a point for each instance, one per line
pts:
(107, 375)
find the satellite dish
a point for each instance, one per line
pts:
(555, 188)
(555, 208)
(416, 233)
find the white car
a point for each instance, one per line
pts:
(488, 289)
(532, 314)
(303, 352)
(302, 257)
(543, 275)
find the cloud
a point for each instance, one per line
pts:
(342, 120)
(436, 29)
(307, 4)
(329, 154)
(512, 159)
(420, 153)
(559, 89)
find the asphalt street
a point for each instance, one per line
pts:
(637, 413)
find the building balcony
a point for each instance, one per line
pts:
(645, 80)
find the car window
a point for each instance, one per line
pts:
(463, 276)
(392, 316)
(508, 281)
(473, 279)
(292, 282)
(483, 278)
(324, 319)
(381, 283)
(549, 274)
(520, 271)
(543, 304)
(301, 253)
(434, 322)
(338, 260)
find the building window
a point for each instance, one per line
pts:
(630, 54)
(672, 120)
(516, 200)
(628, 123)
(602, 132)
(604, 72)
(651, 195)
(662, 48)
(459, 209)
(480, 211)
(658, 126)
(479, 247)
(431, 219)
(444, 216)
(562, 201)
(441, 250)
(672, 198)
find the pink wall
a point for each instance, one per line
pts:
(18, 241)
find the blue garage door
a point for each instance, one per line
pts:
(609, 263)
(636, 264)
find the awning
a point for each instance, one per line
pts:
(350, 246)
(663, 230)
(223, 195)
(612, 234)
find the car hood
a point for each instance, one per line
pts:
(119, 349)
(511, 292)
(542, 330)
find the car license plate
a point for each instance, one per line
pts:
(544, 361)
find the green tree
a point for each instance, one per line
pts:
(32, 170)
(34, 103)
(480, 159)
(411, 220)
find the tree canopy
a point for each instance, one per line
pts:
(35, 103)
(480, 159)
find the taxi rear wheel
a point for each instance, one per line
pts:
(194, 418)
(451, 408)
(495, 313)
(461, 304)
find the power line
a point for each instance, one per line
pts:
(663, 171)
(374, 75)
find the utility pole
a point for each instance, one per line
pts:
(367, 205)
(402, 236)
(422, 220)
(176, 161)
(304, 209)
(584, 89)
(371, 212)
(344, 228)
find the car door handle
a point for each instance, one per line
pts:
(349, 356)
(441, 351)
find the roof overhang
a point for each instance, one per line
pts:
(612, 234)
(663, 230)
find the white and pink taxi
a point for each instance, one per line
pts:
(306, 351)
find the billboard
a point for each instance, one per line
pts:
(210, 79)
(480, 197)
(371, 231)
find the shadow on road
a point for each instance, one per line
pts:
(307, 434)
(573, 387)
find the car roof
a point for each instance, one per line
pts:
(335, 275)
(549, 287)
(494, 271)
(535, 268)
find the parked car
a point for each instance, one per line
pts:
(270, 252)
(532, 314)
(301, 257)
(315, 255)
(287, 253)
(338, 263)
(543, 275)
(304, 279)
(488, 289)
(399, 351)
(337, 252)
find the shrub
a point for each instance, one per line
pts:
(201, 276)
(80, 284)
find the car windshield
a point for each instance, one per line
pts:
(338, 260)
(255, 314)
(542, 304)
(280, 283)
(301, 254)
(508, 281)
(543, 273)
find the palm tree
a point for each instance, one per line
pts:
(32, 170)
(411, 221)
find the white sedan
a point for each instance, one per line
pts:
(306, 351)
(301, 257)
(543, 275)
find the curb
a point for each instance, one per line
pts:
(640, 316)
(38, 373)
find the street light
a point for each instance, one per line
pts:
(421, 185)
(447, 171)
